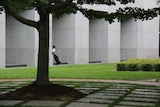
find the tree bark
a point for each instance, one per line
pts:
(43, 53)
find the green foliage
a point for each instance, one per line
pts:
(44, 1)
(19, 5)
(107, 2)
(121, 14)
(132, 67)
(157, 67)
(121, 67)
(68, 10)
(139, 65)
(146, 67)
(138, 13)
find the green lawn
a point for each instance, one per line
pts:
(87, 71)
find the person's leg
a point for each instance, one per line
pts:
(57, 59)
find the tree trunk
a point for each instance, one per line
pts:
(43, 54)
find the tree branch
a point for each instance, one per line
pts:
(21, 19)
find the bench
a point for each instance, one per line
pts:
(15, 65)
(95, 62)
(60, 63)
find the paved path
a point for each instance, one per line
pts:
(147, 82)
(104, 93)
(144, 82)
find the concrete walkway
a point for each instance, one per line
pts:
(143, 82)
(104, 93)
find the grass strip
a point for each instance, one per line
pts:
(87, 71)
(115, 102)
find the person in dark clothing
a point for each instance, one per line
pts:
(55, 56)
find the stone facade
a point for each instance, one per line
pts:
(79, 40)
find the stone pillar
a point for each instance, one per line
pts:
(114, 42)
(81, 39)
(128, 40)
(50, 41)
(104, 41)
(148, 39)
(2, 40)
(22, 41)
(70, 35)
(98, 41)
(140, 39)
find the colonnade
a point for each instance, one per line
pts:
(79, 40)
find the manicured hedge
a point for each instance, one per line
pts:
(139, 65)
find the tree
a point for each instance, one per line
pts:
(60, 7)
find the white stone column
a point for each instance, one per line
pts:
(104, 41)
(50, 42)
(148, 34)
(140, 39)
(22, 41)
(128, 39)
(114, 42)
(70, 35)
(81, 39)
(98, 41)
(148, 39)
(63, 37)
(2, 40)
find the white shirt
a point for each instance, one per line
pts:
(53, 51)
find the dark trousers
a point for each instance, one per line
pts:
(56, 59)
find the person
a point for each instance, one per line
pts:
(54, 55)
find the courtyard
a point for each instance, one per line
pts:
(103, 93)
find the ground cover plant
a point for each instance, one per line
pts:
(139, 65)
